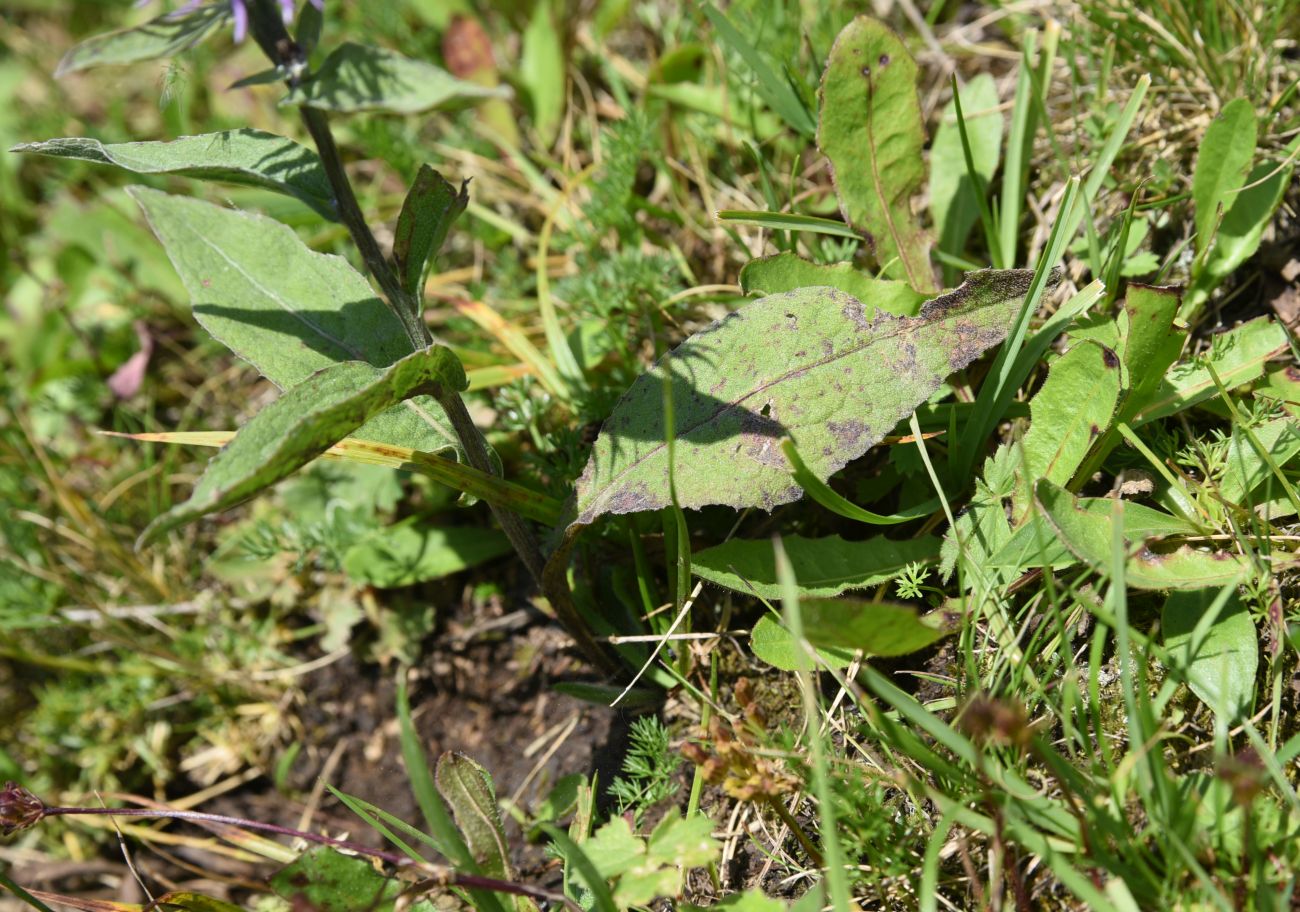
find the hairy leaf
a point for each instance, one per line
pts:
(359, 77)
(1149, 343)
(1068, 415)
(1089, 534)
(876, 628)
(1035, 544)
(1222, 660)
(164, 36)
(789, 272)
(306, 421)
(814, 365)
(870, 128)
(410, 553)
(822, 566)
(250, 157)
(467, 788)
(432, 204)
(284, 308)
(952, 190)
(1222, 161)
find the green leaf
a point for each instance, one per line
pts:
(870, 129)
(953, 203)
(1068, 415)
(249, 157)
(1238, 356)
(431, 206)
(683, 842)
(467, 789)
(614, 848)
(1245, 469)
(285, 309)
(877, 628)
(789, 272)
(808, 364)
(359, 77)
(1088, 535)
(776, 92)
(823, 566)
(776, 646)
(647, 870)
(1221, 659)
(1035, 543)
(1149, 343)
(304, 422)
(1222, 161)
(788, 221)
(164, 36)
(325, 880)
(410, 553)
(1250, 211)
(542, 70)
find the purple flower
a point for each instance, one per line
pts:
(19, 809)
(239, 12)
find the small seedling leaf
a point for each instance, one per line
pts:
(1088, 535)
(250, 157)
(164, 36)
(467, 788)
(359, 77)
(816, 365)
(823, 566)
(432, 205)
(286, 309)
(1221, 661)
(304, 422)
(870, 128)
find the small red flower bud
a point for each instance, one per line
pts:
(19, 809)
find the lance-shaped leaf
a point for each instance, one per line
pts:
(1222, 657)
(286, 309)
(305, 422)
(822, 566)
(164, 36)
(359, 77)
(249, 157)
(1089, 535)
(431, 206)
(815, 365)
(787, 272)
(870, 128)
(467, 789)
(877, 628)
(1221, 165)
(953, 200)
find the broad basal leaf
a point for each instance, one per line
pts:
(1089, 536)
(286, 309)
(815, 365)
(359, 77)
(870, 128)
(1221, 661)
(234, 156)
(431, 206)
(162, 37)
(822, 566)
(1035, 544)
(410, 553)
(788, 272)
(776, 646)
(1222, 161)
(306, 421)
(1149, 343)
(952, 189)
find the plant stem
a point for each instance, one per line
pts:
(269, 32)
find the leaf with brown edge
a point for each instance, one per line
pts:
(816, 365)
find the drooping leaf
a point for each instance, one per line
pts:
(952, 190)
(822, 566)
(432, 204)
(776, 646)
(250, 157)
(1221, 661)
(542, 69)
(164, 36)
(304, 422)
(467, 789)
(876, 628)
(788, 272)
(1089, 534)
(360, 77)
(1035, 544)
(808, 364)
(1238, 356)
(325, 880)
(284, 308)
(1068, 415)
(870, 128)
(1222, 160)
(410, 553)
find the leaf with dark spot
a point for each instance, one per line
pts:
(816, 365)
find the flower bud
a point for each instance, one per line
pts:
(19, 809)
